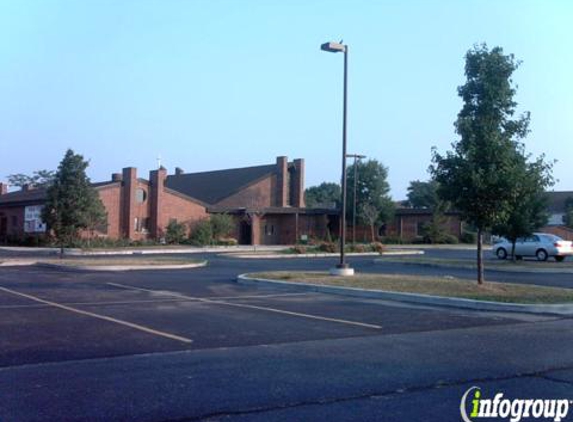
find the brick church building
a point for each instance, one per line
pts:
(266, 202)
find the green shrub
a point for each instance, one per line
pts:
(298, 249)
(221, 225)
(328, 247)
(468, 237)
(450, 239)
(202, 233)
(175, 232)
(392, 240)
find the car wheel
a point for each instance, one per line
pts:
(559, 258)
(501, 253)
(541, 255)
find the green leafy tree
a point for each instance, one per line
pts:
(72, 203)
(477, 176)
(221, 225)
(175, 232)
(434, 230)
(423, 195)
(568, 218)
(324, 195)
(372, 191)
(527, 210)
(39, 179)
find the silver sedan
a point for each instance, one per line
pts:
(539, 245)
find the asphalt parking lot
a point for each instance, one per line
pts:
(194, 345)
(62, 315)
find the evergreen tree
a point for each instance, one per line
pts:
(72, 203)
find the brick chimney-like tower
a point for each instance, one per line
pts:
(157, 191)
(129, 176)
(297, 184)
(282, 182)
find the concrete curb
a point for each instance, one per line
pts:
(17, 262)
(456, 247)
(474, 267)
(294, 256)
(77, 268)
(319, 255)
(139, 251)
(477, 305)
(160, 251)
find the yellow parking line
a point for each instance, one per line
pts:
(102, 317)
(242, 305)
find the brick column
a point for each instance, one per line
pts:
(255, 229)
(282, 182)
(129, 176)
(156, 194)
(297, 184)
(3, 188)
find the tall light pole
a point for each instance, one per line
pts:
(357, 157)
(342, 268)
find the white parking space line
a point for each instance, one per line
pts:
(106, 303)
(174, 294)
(98, 316)
(217, 301)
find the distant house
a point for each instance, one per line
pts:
(556, 208)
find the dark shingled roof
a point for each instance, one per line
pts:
(213, 186)
(20, 196)
(34, 195)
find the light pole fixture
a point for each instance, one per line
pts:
(342, 268)
(357, 157)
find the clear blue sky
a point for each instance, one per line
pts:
(217, 84)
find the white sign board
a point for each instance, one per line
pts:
(33, 219)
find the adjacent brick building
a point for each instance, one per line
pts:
(267, 203)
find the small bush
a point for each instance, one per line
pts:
(328, 247)
(358, 248)
(468, 237)
(175, 232)
(392, 240)
(202, 233)
(378, 247)
(298, 249)
(221, 225)
(450, 239)
(227, 241)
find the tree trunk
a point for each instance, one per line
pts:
(480, 278)
(513, 251)
(372, 232)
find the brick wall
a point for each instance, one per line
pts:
(111, 197)
(561, 231)
(181, 209)
(257, 195)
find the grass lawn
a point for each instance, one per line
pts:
(447, 287)
(471, 263)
